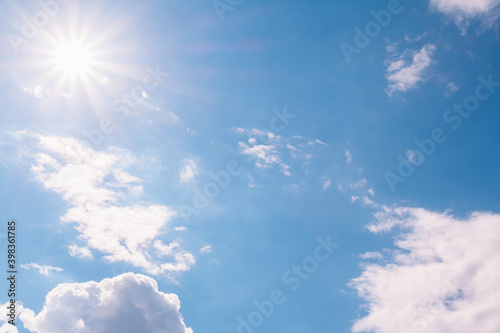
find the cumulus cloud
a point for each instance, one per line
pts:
(101, 195)
(443, 275)
(125, 303)
(463, 11)
(42, 269)
(403, 75)
(188, 171)
(466, 7)
(5, 327)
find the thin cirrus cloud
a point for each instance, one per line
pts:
(443, 276)
(403, 75)
(102, 197)
(42, 269)
(125, 303)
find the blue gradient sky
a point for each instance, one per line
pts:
(322, 175)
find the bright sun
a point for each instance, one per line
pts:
(73, 59)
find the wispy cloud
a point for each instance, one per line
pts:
(348, 156)
(42, 269)
(403, 75)
(451, 88)
(206, 249)
(80, 252)
(267, 149)
(188, 171)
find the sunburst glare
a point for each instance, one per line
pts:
(73, 58)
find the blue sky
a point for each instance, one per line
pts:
(251, 166)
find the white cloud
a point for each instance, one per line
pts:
(371, 191)
(125, 303)
(443, 277)
(402, 76)
(348, 156)
(360, 183)
(5, 327)
(80, 252)
(206, 249)
(466, 7)
(188, 171)
(372, 256)
(327, 184)
(180, 228)
(267, 150)
(43, 269)
(36, 90)
(463, 11)
(101, 197)
(451, 88)
(320, 142)
(413, 157)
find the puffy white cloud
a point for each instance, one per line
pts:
(403, 76)
(42, 269)
(101, 195)
(188, 171)
(443, 277)
(5, 327)
(125, 303)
